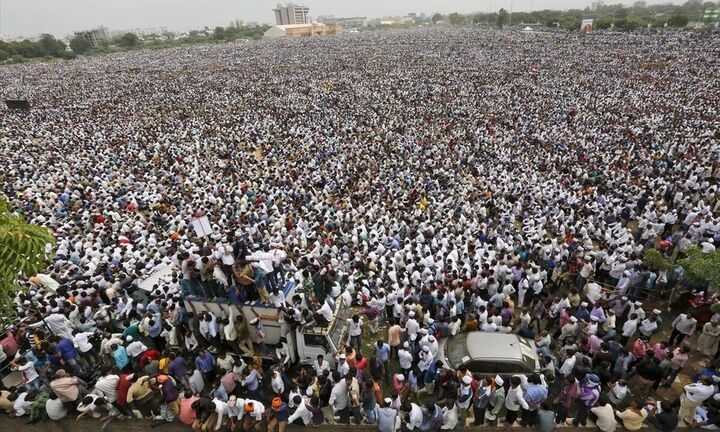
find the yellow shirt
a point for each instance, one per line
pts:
(632, 420)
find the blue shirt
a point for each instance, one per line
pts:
(177, 367)
(430, 373)
(121, 357)
(205, 364)
(382, 352)
(534, 395)
(66, 348)
(251, 381)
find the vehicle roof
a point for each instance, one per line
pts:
(493, 345)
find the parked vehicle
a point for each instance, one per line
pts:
(489, 353)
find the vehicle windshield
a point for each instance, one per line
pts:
(342, 312)
(336, 331)
(528, 354)
(456, 350)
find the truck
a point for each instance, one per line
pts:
(303, 344)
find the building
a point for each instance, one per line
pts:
(96, 36)
(299, 30)
(291, 14)
(349, 22)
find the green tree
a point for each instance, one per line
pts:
(502, 18)
(456, 19)
(4, 55)
(80, 45)
(702, 269)
(678, 21)
(23, 252)
(51, 46)
(436, 18)
(128, 40)
(219, 33)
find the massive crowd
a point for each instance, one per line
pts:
(443, 181)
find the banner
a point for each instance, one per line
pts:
(586, 26)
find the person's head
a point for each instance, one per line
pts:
(515, 381)
(666, 405)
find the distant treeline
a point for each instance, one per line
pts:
(47, 47)
(620, 17)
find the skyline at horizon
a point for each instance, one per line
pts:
(31, 18)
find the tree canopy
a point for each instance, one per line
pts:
(80, 45)
(24, 251)
(502, 18)
(128, 40)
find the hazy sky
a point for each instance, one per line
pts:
(62, 17)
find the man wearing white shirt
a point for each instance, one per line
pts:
(415, 417)
(134, 349)
(58, 324)
(694, 395)
(55, 408)
(320, 365)
(106, 385)
(325, 314)
(302, 411)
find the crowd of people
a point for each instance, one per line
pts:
(441, 181)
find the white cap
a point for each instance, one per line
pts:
(583, 304)
(657, 311)
(499, 381)
(400, 377)
(573, 319)
(467, 379)
(638, 303)
(594, 318)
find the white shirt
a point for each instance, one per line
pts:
(319, 368)
(135, 349)
(354, 329)
(258, 410)
(568, 365)
(107, 386)
(81, 341)
(405, 358)
(265, 260)
(221, 408)
(28, 371)
(698, 392)
(416, 417)
(55, 409)
(326, 311)
(303, 413)
(514, 399)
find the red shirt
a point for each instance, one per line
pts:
(361, 364)
(122, 390)
(187, 413)
(148, 355)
